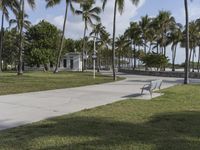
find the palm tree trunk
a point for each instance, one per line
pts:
(198, 60)
(193, 56)
(145, 48)
(134, 57)
(83, 51)
(190, 57)
(174, 57)
(1, 42)
(119, 61)
(186, 78)
(113, 43)
(62, 39)
(20, 66)
(165, 50)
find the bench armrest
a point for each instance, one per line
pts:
(146, 85)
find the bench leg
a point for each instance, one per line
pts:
(142, 91)
(151, 93)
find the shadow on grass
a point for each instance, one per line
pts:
(163, 131)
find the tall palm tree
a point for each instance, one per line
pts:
(68, 5)
(88, 13)
(120, 5)
(145, 29)
(121, 43)
(193, 32)
(186, 78)
(198, 43)
(135, 34)
(16, 22)
(104, 47)
(176, 36)
(21, 27)
(165, 22)
(98, 31)
(4, 6)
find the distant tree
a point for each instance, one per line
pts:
(155, 60)
(31, 3)
(5, 5)
(89, 15)
(10, 53)
(176, 36)
(68, 6)
(186, 78)
(121, 45)
(69, 46)
(16, 22)
(144, 25)
(134, 33)
(118, 4)
(43, 39)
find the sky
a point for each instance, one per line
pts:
(75, 25)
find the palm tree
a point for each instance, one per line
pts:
(104, 47)
(186, 78)
(176, 37)
(145, 29)
(198, 43)
(21, 27)
(52, 3)
(135, 34)
(121, 44)
(16, 22)
(4, 6)
(193, 26)
(98, 31)
(88, 13)
(120, 5)
(165, 22)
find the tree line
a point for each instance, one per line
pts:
(152, 34)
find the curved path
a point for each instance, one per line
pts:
(20, 109)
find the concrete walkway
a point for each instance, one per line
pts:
(20, 109)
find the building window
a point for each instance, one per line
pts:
(71, 63)
(65, 63)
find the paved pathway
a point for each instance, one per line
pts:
(20, 109)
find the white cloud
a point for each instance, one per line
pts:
(75, 25)
(194, 10)
(123, 20)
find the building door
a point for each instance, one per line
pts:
(65, 63)
(71, 63)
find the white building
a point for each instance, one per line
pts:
(71, 62)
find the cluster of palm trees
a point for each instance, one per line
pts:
(146, 36)
(18, 8)
(153, 34)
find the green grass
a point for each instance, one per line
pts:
(165, 123)
(10, 83)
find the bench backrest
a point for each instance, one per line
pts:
(155, 84)
(159, 83)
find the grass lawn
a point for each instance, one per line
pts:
(165, 123)
(10, 83)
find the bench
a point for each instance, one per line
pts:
(153, 85)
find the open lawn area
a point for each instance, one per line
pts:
(168, 122)
(10, 83)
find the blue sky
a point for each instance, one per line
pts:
(131, 13)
